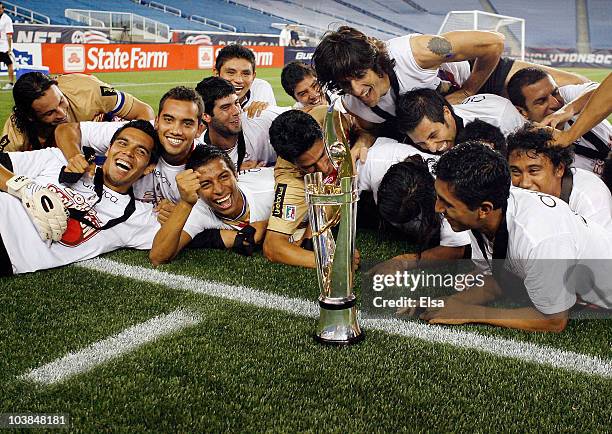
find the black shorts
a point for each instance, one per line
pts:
(497, 81)
(5, 58)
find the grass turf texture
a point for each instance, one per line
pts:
(245, 368)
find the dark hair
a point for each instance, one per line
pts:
(27, 89)
(519, 80)
(606, 175)
(407, 200)
(484, 132)
(416, 104)
(294, 132)
(182, 93)
(293, 73)
(233, 51)
(202, 154)
(476, 173)
(347, 54)
(147, 128)
(532, 141)
(213, 88)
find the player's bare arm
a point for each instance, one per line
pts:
(430, 51)
(278, 248)
(140, 110)
(596, 110)
(68, 140)
(568, 111)
(171, 238)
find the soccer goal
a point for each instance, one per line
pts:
(511, 27)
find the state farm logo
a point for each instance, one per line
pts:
(74, 58)
(205, 57)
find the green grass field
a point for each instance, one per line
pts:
(247, 360)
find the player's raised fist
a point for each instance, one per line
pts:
(188, 184)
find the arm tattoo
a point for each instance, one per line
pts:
(440, 46)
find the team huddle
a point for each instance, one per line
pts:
(466, 153)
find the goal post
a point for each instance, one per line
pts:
(512, 28)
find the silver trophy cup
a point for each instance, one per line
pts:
(331, 204)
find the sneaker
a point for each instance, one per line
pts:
(7, 86)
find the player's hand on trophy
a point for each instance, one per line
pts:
(188, 183)
(356, 259)
(255, 108)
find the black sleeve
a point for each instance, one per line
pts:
(5, 160)
(207, 239)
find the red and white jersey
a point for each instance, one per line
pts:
(159, 184)
(257, 187)
(28, 252)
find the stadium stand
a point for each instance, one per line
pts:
(549, 23)
(244, 19)
(600, 17)
(441, 7)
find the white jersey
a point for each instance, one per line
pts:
(257, 135)
(603, 130)
(409, 76)
(257, 187)
(6, 27)
(490, 108)
(260, 90)
(159, 184)
(383, 154)
(591, 198)
(28, 252)
(541, 253)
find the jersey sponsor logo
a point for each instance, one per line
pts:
(289, 212)
(107, 91)
(279, 198)
(474, 98)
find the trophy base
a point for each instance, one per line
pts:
(338, 327)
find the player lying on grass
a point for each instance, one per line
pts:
(540, 99)
(433, 125)
(236, 64)
(246, 140)
(216, 209)
(43, 103)
(372, 73)
(400, 177)
(178, 123)
(536, 166)
(298, 140)
(559, 256)
(81, 218)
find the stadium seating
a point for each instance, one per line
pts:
(548, 23)
(600, 17)
(442, 7)
(245, 20)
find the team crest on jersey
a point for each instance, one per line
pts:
(77, 233)
(289, 213)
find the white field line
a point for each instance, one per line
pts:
(112, 347)
(524, 351)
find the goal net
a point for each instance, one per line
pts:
(511, 27)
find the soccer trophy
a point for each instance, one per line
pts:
(330, 204)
